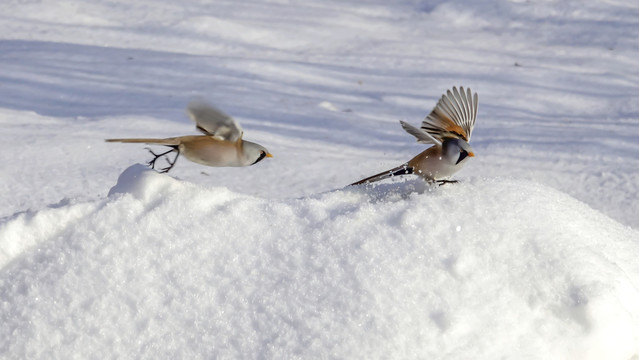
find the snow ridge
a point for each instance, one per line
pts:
(402, 270)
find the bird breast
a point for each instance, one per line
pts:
(208, 151)
(431, 164)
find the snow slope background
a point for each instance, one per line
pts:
(533, 255)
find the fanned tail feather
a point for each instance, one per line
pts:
(400, 170)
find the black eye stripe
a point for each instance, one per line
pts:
(462, 156)
(262, 156)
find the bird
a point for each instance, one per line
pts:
(448, 128)
(221, 144)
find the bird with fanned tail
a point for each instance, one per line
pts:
(448, 128)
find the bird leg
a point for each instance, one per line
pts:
(442, 182)
(157, 156)
(171, 164)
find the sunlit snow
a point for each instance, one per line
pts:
(533, 255)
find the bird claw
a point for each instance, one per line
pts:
(151, 163)
(171, 164)
(442, 182)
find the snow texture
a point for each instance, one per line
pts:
(533, 255)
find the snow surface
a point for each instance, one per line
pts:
(532, 256)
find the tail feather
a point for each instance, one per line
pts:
(400, 170)
(168, 141)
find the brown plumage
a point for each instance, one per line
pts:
(222, 144)
(448, 127)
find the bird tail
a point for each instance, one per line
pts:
(400, 170)
(167, 142)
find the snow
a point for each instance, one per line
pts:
(533, 255)
(169, 267)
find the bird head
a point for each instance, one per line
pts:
(456, 150)
(254, 153)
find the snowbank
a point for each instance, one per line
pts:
(489, 268)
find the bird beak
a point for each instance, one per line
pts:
(269, 155)
(471, 154)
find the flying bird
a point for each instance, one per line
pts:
(221, 144)
(448, 127)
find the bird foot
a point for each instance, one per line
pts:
(157, 156)
(442, 182)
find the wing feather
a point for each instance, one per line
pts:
(422, 136)
(463, 102)
(455, 109)
(212, 121)
(475, 102)
(453, 116)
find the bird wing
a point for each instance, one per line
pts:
(453, 116)
(422, 136)
(214, 122)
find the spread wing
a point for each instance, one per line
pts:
(214, 122)
(422, 136)
(453, 116)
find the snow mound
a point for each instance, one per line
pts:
(488, 268)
